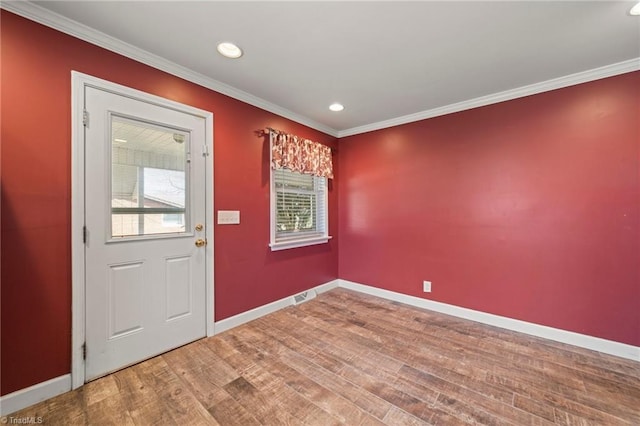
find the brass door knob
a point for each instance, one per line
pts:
(200, 242)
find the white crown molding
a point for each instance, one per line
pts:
(58, 22)
(44, 16)
(520, 92)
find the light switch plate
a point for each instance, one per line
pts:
(228, 217)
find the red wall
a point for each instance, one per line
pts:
(527, 209)
(36, 196)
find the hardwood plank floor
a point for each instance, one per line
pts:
(349, 358)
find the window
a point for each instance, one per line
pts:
(171, 220)
(298, 209)
(149, 185)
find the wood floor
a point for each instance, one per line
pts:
(348, 358)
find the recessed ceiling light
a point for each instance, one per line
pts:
(635, 10)
(117, 140)
(229, 50)
(336, 107)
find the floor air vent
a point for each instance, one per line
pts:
(303, 297)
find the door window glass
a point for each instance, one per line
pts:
(149, 179)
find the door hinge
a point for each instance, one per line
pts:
(84, 350)
(84, 234)
(205, 150)
(85, 117)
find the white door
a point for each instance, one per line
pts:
(145, 230)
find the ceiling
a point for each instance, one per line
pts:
(387, 62)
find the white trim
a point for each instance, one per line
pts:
(77, 224)
(272, 189)
(260, 311)
(520, 92)
(289, 244)
(581, 340)
(23, 398)
(83, 32)
(209, 225)
(79, 82)
(68, 26)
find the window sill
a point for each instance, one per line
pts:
(289, 244)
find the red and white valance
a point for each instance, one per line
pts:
(300, 155)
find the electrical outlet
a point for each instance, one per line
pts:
(426, 286)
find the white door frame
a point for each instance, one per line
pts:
(79, 82)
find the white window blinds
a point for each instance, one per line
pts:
(300, 205)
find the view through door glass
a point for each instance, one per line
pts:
(149, 179)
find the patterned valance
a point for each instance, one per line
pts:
(300, 155)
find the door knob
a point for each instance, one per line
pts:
(200, 242)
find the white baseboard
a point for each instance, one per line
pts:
(23, 398)
(618, 349)
(260, 311)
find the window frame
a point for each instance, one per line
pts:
(140, 122)
(304, 238)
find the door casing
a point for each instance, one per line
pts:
(79, 82)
